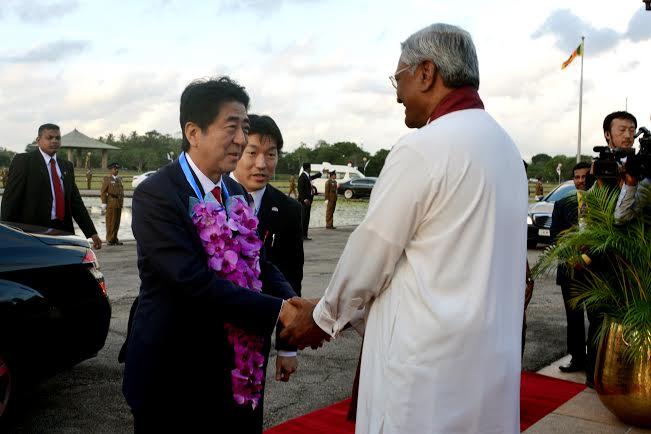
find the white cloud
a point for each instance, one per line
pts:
(50, 52)
(38, 11)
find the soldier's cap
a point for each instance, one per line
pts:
(332, 172)
(112, 165)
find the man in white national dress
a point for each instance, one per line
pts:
(442, 304)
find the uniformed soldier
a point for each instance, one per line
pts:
(331, 199)
(89, 178)
(112, 196)
(3, 176)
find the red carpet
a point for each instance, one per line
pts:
(539, 396)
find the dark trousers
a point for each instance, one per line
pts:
(575, 327)
(305, 216)
(596, 318)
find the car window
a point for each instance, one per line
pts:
(354, 175)
(560, 193)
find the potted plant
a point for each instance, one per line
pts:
(616, 264)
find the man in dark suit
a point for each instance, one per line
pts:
(306, 195)
(41, 189)
(279, 215)
(566, 216)
(179, 362)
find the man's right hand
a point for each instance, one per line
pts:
(303, 331)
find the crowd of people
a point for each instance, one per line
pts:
(221, 253)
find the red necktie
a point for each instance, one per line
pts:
(217, 192)
(60, 209)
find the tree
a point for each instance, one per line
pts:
(540, 159)
(142, 152)
(5, 157)
(376, 163)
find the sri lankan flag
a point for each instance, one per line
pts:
(577, 52)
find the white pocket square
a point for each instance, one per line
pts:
(274, 208)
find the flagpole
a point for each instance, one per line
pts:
(578, 145)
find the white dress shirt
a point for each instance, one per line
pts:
(256, 194)
(206, 183)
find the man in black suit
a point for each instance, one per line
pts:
(41, 189)
(179, 362)
(566, 216)
(279, 215)
(306, 195)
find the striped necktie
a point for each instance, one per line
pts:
(217, 192)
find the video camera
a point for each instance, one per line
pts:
(639, 165)
(605, 165)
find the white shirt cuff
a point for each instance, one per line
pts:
(323, 319)
(282, 353)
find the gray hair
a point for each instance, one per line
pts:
(450, 48)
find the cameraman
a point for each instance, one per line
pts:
(619, 131)
(634, 196)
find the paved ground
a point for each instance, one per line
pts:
(88, 397)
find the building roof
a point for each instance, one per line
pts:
(75, 139)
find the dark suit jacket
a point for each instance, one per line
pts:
(28, 195)
(564, 216)
(280, 228)
(304, 187)
(178, 360)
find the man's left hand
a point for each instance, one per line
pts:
(97, 242)
(285, 366)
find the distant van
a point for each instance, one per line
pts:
(344, 173)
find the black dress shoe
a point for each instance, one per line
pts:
(572, 367)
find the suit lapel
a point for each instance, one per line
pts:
(39, 167)
(67, 178)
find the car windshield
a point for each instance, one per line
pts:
(560, 193)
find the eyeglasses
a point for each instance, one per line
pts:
(394, 80)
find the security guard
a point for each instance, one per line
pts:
(112, 196)
(331, 199)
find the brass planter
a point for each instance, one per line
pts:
(623, 387)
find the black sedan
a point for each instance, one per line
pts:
(360, 187)
(539, 220)
(54, 311)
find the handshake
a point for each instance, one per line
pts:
(299, 328)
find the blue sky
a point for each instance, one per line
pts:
(320, 68)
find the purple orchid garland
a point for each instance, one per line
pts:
(233, 249)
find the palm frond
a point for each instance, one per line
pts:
(618, 282)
